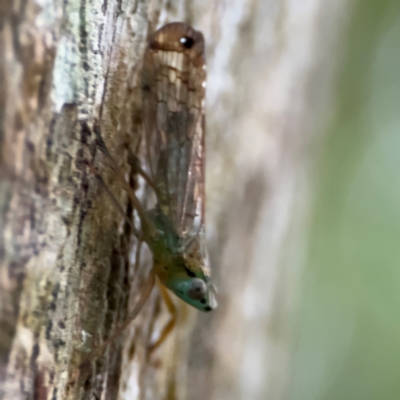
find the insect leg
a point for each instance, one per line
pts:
(147, 288)
(115, 202)
(135, 164)
(136, 203)
(171, 323)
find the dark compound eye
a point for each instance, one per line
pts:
(197, 289)
(187, 42)
(189, 272)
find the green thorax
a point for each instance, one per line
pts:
(179, 263)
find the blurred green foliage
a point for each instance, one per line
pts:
(348, 335)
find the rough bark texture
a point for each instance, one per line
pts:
(70, 267)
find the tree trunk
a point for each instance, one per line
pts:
(70, 267)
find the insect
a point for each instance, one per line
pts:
(173, 91)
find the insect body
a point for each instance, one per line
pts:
(173, 89)
(173, 113)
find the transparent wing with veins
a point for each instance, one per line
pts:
(173, 113)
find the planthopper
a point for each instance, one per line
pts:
(173, 92)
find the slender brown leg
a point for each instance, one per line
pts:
(136, 203)
(134, 162)
(171, 323)
(147, 288)
(115, 202)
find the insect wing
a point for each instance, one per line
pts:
(173, 90)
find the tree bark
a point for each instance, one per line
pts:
(70, 267)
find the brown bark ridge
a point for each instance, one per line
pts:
(70, 267)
